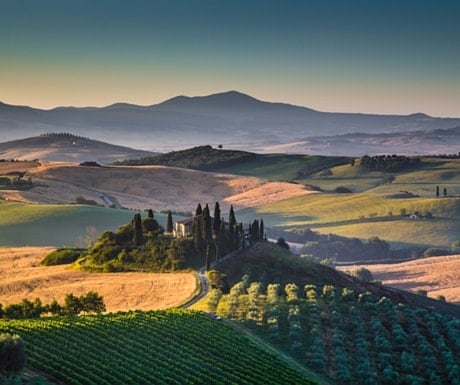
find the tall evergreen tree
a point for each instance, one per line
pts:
(255, 230)
(169, 223)
(261, 229)
(197, 236)
(199, 210)
(150, 214)
(206, 230)
(232, 229)
(137, 230)
(216, 223)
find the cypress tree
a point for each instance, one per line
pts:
(206, 230)
(169, 223)
(254, 230)
(197, 236)
(199, 210)
(232, 245)
(261, 229)
(137, 230)
(216, 223)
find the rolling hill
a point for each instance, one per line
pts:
(67, 148)
(230, 118)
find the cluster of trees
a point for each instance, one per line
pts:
(63, 135)
(388, 163)
(214, 237)
(18, 180)
(339, 249)
(140, 244)
(144, 244)
(204, 158)
(353, 337)
(90, 302)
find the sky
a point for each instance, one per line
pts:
(374, 56)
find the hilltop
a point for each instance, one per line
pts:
(66, 147)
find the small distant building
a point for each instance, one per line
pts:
(183, 228)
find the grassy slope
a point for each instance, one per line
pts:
(267, 263)
(282, 167)
(365, 213)
(24, 224)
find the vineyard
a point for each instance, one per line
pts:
(352, 338)
(157, 347)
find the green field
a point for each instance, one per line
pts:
(374, 208)
(283, 167)
(162, 347)
(23, 224)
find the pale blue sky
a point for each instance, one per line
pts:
(332, 55)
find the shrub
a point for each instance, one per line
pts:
(342, 190)
(63, 256)
(12, 354)
(362, 274)
(434, 252)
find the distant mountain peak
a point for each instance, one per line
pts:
(228, 98)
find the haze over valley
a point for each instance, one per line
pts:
(238, 121)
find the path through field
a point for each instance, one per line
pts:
(21, 276)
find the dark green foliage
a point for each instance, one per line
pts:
(365, 340)
(339, 248)
(388, 163)
(90, 164)
(282, 243)
(342, 190)
(199, 210)
(138, 238)
(150, 214)
(203, 158)
(434, 252)
(206, 225)
(197, 233)
(217, 219)
(92, 302)
(12, 354)
(83, 201)
(72, 305)
(362, 274)
(63, 256)
(169, 223)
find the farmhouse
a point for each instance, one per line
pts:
(183, 228)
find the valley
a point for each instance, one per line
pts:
(308, 198)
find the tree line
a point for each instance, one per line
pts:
(388, 163)
(90, 302)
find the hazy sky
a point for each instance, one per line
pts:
(379, 56)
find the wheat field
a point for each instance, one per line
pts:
(22, 276)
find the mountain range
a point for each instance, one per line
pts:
(237, 121)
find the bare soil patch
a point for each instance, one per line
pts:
(22, 276)
(436, 275)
